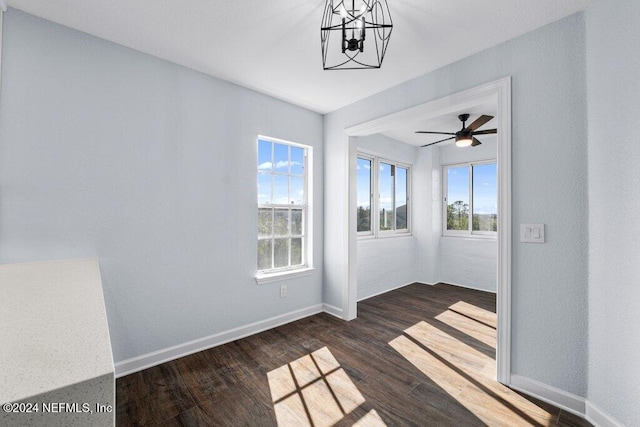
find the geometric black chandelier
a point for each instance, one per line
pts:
(354, 34)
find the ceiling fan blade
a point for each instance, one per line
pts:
(475, 142)
(479, 122)
(442, 140)
(486, 132)
(435, 133)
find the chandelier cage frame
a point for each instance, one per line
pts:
(353, 25)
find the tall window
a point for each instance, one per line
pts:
(364, 194)
(470, 199)
(282, 205)
(382, 196)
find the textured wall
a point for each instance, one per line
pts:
(549, 281)
(385, 264)
(469, 262)
(151, 167)
(613, 71)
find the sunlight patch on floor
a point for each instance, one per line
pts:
(481, 332)
(314, 390)
(478, 314)
(448, 347)
(464, 372)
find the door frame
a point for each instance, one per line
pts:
(498, 91)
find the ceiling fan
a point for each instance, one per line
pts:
(466, 136)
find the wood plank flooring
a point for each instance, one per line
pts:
(417, 356)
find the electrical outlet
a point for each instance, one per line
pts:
(283, 291)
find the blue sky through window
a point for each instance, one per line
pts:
(386, 187)
(485, 189)
(278, 165)
(363, 180)
(458, 185)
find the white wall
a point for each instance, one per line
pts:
(389, 262)
(468, 261)
(149, 166)
(427, 208)
(613, 82)
(549, 301)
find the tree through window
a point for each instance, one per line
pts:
(471, 198)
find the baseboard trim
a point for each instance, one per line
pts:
(560, 398)
(154, 358)
(598, 417)
(467, 287)
(387, 290)
(332, 310)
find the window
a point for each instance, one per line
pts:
(388, 213)
(470, 199)
(282, 205)
(364, 194)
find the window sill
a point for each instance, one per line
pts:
(382, 236)
(369, 236)
(472, 236)
(283, 275)
(391, 234)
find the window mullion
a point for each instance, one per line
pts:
(375, 216)
(445, 201)
(273, 253)
(394, 174)
(470, 215)
(289, 237)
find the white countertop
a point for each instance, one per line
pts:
(53, 327)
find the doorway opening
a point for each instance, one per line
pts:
(498, 95)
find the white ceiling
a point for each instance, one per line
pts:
(274, 46)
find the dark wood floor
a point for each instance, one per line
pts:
(420, 355)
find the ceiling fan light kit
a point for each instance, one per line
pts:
(346, 26)
(463, 141)
(465, 137)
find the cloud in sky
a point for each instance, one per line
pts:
(279, 165)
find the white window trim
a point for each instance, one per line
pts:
(470, 233)
(306, 268)
(372, 200)
(277, 276)
(375, 232)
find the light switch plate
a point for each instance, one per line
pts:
(532, 233)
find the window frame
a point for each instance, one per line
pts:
(277, 273)
(376, 232)
(372, 203)
(480, 234)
